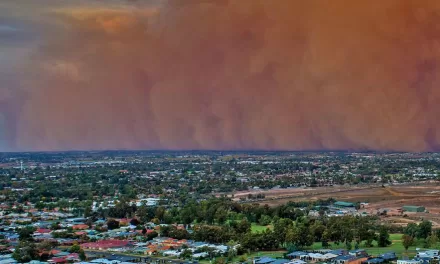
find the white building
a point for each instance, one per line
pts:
(401, 261)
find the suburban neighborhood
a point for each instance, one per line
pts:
(219, 208)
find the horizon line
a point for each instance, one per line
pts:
(222, 150)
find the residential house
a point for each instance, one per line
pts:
(358, 252)
(388, 257)
(374, 261)
(409, 261)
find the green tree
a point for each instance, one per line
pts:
(384, 237)
(407, 241)
(232, 251)
(356, 245)
(325, 239)
(293, 236)
(134, 222)
(431, 241)
(39, 206)
(160, 213)
(75, 248)
(411, 230)
(268, 240)
(437, 233)
(242, 258)
(25, 234)
(112, 224)
(299, 236)
(265, 220)
(25, 251)
(424, 229)
(317, 229)
(178, 233)
(87, 211)
(186, 254)
(47, 245)
(281, 227)
(221, 214)
(55, 226)
(82, 255)
(220, 260)
(348, 245)
(152, 235)
(145, 213)
(244, 226)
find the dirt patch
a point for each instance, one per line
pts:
(377, 197)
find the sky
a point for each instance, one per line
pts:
(219, 75)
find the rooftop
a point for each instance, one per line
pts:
(344, 204)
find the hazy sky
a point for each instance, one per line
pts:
(219, 74)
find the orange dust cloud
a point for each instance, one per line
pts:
(227, 74)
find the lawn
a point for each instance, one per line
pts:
(256, 228)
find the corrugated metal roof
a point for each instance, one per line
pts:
(340, 203)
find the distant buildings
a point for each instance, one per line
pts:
(413, 209)
(344, 205)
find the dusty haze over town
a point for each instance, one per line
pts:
(219, 74)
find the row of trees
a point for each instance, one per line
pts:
(214, 211)
(422, 233)
(220, 220)
(290, 234)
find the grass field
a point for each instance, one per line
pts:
(259, 228)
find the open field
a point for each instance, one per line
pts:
(365, 193)
(379, 198)
(276, 196)
(259, 228)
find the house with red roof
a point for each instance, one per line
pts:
(73, 257)
(80, 227)
(43, 231)
(45, 254)
(106, 244)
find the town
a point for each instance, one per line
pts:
(219, 207)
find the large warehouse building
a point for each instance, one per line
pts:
(413, 208)
(345, 205)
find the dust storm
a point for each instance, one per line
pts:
(229, 74)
